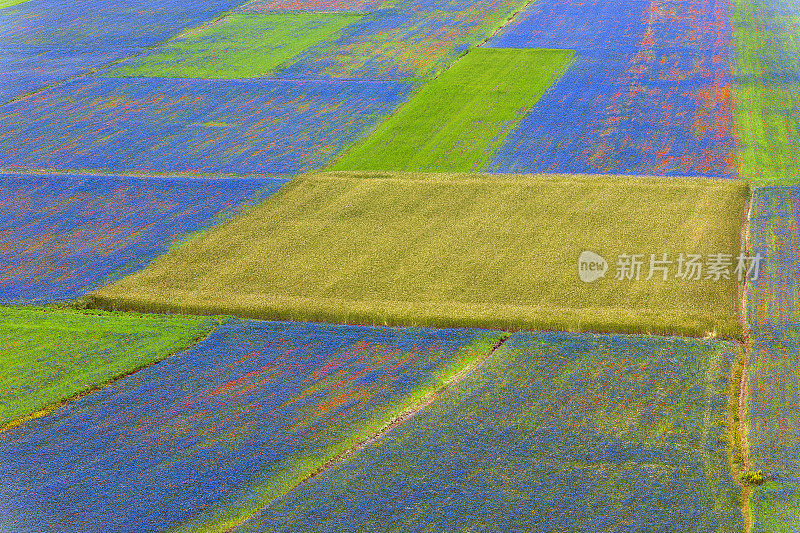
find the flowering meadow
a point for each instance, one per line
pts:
(50, 355)
(773, 406)
(62, 235)
(221, 428)
(557, 432)
(49, 41)
(649, 91)
(165, 125)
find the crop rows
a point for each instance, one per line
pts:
(486, 94)
(368, 247)
(558, 432)
(222, 427)
(63, 235)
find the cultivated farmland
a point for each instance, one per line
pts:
(62, 235)
(48, 41)
(193, 125)
(49, 356)
(455, 122)
(456, 250)
(649, 91)
(223, 428)
(299, 160)
(242, 45)
(773, 373)
(558, 432)
(766, 73)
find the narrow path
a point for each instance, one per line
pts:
(389, 426)
(740, 457)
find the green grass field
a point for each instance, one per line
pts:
(456, 250)
(9, 3)
(49, 356)
(237, 46)
(455, 122)
(766, 93)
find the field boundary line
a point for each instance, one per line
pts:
(408, 414)
(199, 176)
(740, 456)
(508, 21)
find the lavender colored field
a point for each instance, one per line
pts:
(63, 235)
(649, 91)
(150, 124)
(407, 41)
(773, 419)
(49, 356)
(774, 298)
(558, 432)
(604, 27)
(773, 408)
(45, 41)
(223, 426)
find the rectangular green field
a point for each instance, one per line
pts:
(765, 68)
(455, 122)
(482, 250)
(48, 356)
(236, 46)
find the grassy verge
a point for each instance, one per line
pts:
(455, 122)
(457, 250)
(776, 507)
(50, 356)
(237, 46)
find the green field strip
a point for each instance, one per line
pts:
(497, 251)
(236, 46)
(49, 356)
(455, 122)
(299, 468)
(767, 92)
(9, 3)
